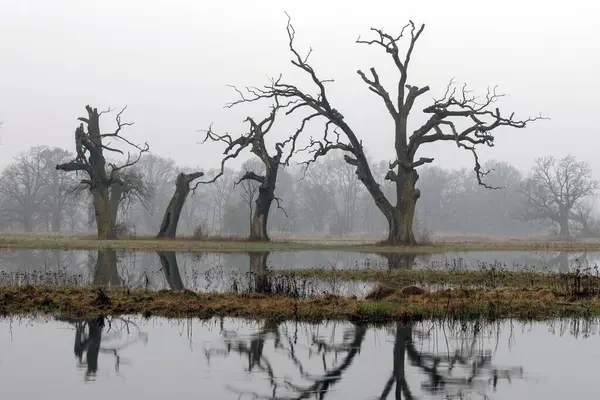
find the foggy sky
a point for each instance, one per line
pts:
(170, 62)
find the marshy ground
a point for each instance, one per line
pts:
(397, 295)
(488, 291)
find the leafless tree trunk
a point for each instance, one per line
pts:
(168, 227)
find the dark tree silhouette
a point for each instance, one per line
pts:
(89, 337)
(255, 140)
(477, 118)
(106, 272)
(440, 369)
(168, 227)
(399, 260)
(168, 263)
(104, 184)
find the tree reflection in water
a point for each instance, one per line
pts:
(464, 368)
(443, 376)
(119, 333)
(336, 358)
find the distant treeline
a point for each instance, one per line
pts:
(325, 199)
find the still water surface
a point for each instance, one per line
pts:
(237, 359)
(217, 272)
(12, 260)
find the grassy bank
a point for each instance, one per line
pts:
(234, 244)
(486, 278)
(519, 303)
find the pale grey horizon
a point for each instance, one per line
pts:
(170, 63)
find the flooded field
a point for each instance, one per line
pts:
(239, 272)
(236, 359)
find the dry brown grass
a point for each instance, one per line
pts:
(489, 278)
(520, 303)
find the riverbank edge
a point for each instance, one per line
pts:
(50, 242)
(465, 304)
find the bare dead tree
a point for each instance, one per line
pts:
(554, 188)
(168, 227)
(255, 140)
(480, 117)
(104, 184)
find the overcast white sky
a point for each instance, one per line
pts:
(170, 62)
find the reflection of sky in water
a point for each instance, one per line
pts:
(218, 272)
(161, 358)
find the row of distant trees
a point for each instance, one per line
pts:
(326, 198)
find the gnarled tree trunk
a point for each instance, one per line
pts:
(168, 227)
(104, 213)
(266, 195)
(563, 222)
(400, 218)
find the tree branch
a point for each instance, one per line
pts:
(249, 175)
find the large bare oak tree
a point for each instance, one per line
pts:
(477, 118)
(555, 190)
(103, 178)
(254, 139)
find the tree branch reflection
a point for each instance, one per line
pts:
(318, 384)
(440, 370)
(102, 335)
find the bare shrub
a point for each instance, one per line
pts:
(123, 229)
(200, 232)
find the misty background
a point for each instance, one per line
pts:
(170, 63)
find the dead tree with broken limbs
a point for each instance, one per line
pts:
(255, 140)
(103, 178)
(476, 116)
(168, 227)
